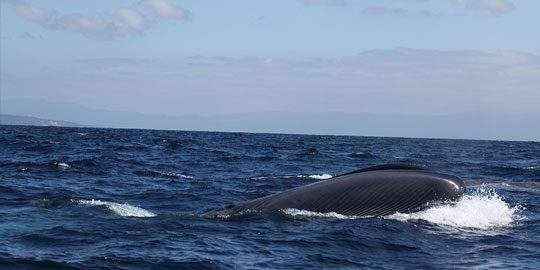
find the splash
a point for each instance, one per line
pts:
(305, 213)
(320, 176)
(484, 209)
(176, 175)
(125, 210)
(62, 165)
(150, 173)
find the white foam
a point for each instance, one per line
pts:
(304, 213)
(62, 165)
(482, 210)
(125, 210)
(313, 176)
(172, 174)
(320, 176)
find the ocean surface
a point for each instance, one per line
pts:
(85, 198)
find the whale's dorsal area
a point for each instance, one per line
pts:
(373, 191)
(395, 166)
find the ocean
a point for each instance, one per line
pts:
(90, 198)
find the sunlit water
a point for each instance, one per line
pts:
(132, 199)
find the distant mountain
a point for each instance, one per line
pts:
(471, 125)
(8, 119)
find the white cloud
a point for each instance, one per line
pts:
(125, 22)
(492, 6)
(400, 81)
(404, 81)
(164, 8)
(88, 26)
(32, 13)
(129, 21)
(323, 2)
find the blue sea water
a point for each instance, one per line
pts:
(85, 198)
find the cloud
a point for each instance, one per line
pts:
(33, 13)
(494, 7)
(124, 22)
(408, 81)
(399, 81)
(324, 2)
(491, 6)
(129, 21)
(379, 10)
(163, 8)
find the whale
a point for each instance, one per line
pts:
(369, 192)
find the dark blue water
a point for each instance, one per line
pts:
(131, 199)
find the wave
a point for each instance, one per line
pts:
(173, 145)
(313, 176)
(320, 176)
(61, 165)
(522, 185)
(25, 166)
(258, 178)
(239, 214)
(484, 209)
(125, 210)
(362, 155)
(162, 174)
(305, 213)
(308, 152)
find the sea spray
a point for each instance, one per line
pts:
(483, 209)
(125, 210)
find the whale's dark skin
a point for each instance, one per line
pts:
(374, 191)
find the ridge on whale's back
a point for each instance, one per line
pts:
(390, 166)
(373, 191)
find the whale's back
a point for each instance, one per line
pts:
(374, 191)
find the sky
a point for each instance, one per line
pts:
(202, 57)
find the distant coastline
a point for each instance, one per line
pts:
(505, 126)
(18, 120)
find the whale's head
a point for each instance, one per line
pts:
(449, 187)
